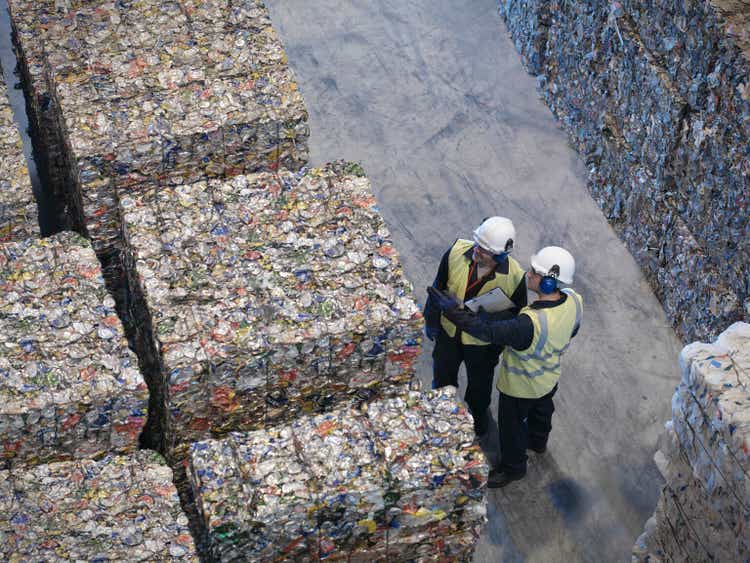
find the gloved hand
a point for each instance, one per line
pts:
(444, 301)
(484, 314)
(431, 331)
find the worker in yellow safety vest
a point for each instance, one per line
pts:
(530, 369)
(470, 269)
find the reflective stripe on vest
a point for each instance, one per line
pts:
(458, 276)
(533, 372)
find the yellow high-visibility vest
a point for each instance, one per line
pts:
(533, 372)
(458, 276)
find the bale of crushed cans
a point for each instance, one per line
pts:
(69, 386)
(129, 95)
(395, 480)
(705, 49)
(19, 219)
(29, 22)
(654, 97)
(115, 509)
(269, 295)
(528, 23)
(704, 456)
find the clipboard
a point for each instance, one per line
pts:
(493, 301)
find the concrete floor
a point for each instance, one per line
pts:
(430, 96)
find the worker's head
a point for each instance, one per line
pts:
(493, 240)
(550, 267)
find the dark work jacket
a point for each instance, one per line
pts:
(517, 332)
(432, 312)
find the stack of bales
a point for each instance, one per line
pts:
(18, 210)
(624, 113)
(704, 456)
(30, 21)
(69, 386)
(704, 49)
(251, 298)
(654, 97)
(134, 96)
(399, 480)
(139, 94)
(267, 296)
(116, 509)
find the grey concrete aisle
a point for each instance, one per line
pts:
(431, 97)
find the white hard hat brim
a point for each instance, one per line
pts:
(540, 269)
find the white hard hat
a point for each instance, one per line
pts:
(551, 258)
(495, 234)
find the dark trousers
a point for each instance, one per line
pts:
(523, 422)
(480, 370)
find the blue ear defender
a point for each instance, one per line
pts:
(503, 256)
(549, 280)
(500, 258)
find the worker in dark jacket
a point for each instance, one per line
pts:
(470, 269)
(530, 369)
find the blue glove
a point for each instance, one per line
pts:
(484, 315)
(431, 331)
(443, 301)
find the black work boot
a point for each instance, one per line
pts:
(537, 443)
(498, 479)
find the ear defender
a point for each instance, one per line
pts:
(549, 281)
(503, 256)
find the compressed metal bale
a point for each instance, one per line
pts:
(598, 71)
(217, 100)
(713, 176)
(69, 387)
(115, 509)
(528, 23)
(696, 304)
(684, 526)
(394, 480)
(269, 295)
(641, 207)
(641, 97)
(576, 69)
(635, 188)
(640, 123)
(704, 456)
(667, 165)
(714, 396)
(691, 522)
(704, 48)
(29, 30)
(686, 36)
(19, 218)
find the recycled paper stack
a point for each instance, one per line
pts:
(705, 458)
(270, 295)
(397, 481)
(69, 385)
(115, 509)
(148, 92)
(18, 211)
